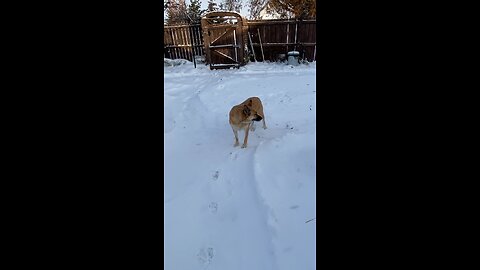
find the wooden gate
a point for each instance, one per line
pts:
(224, 39)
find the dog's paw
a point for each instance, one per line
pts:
(236, 144)
(244, 145)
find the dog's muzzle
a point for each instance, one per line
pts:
(258, 118)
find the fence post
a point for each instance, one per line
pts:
(190, 31)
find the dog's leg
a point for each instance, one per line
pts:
(263, 121)
(235, 132)
(245, 140)
(252, 126)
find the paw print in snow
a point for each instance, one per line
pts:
(215, 176)
(213, 206)
(233, 157)
(205, 256)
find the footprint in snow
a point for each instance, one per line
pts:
(215, 175)
(233, 156)
(213, 206)
(205, 255)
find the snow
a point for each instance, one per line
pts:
(233, 208)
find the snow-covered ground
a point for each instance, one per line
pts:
(228, 208)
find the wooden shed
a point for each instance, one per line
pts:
(225, 39)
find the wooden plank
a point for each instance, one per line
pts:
(176, 41)
(235, 48)
(274, 22)
(251, 46)
(179, 46)
(296, 26)
(199, 39)
(284, 44)
(198, 50)
(223, 14)
(189, 42)
(288, 32)
(261, 47)
(221, 26)
(178, 26)
(177, 51)
(220, 36)
(185, 42)
(225, 46)
(192, 38)
(224, 55)
(218, 66)
(174, 51)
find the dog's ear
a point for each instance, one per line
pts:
(246, 110)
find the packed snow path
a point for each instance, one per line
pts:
(231, 208)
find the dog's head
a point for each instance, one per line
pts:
(250, 113)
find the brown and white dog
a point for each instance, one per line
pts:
(243, 115)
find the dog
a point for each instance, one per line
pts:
(242, 116)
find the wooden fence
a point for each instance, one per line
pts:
(275, 37)
(268, 38)
(183, 41)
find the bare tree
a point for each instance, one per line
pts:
(194, 11)
(212, 6)
(177, 12)
(255, 6)
(300, 9)
(231, 5)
